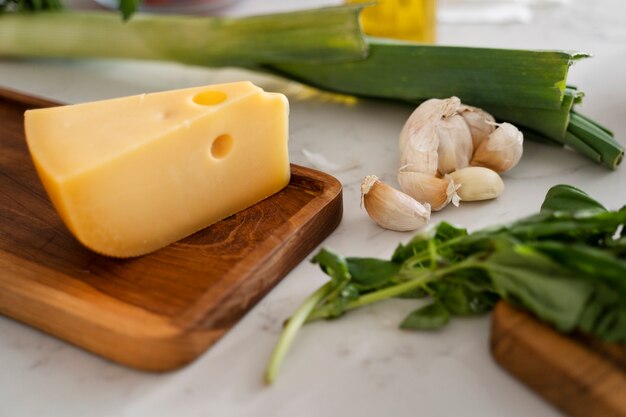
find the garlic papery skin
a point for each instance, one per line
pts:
(429, 111)
(420, 152)
(477, 183)
(392, 209)
(426, 112)
(480, 123)
(438, 192)
(455, 144)
(502, 150)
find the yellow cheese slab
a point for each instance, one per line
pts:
(131, 175)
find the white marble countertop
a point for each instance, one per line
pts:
(361, 365)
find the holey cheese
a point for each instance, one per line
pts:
(134, 174)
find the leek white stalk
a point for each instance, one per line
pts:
(329, 34)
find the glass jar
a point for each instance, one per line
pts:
(413, 20)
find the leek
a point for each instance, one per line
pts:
(565, 126)
(552, 123)
(31, 5)
(325, 48)
(330, 34)
(592, 140)
(413, 72)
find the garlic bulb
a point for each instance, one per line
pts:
(480, 123)
(502, 150)
(477, 183)
(390, 208)
(438, 192)
(452, 152)
(435, 132)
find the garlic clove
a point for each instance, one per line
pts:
(420, 152)
(438, 192)
(477, 183)
(390, 208)
(502, 150)
(480, 123)
(455, 144)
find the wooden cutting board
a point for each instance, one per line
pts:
(159, 311)
(581, 377)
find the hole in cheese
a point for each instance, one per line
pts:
(209, 98)
(221, 146)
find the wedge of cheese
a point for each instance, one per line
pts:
(131, 175)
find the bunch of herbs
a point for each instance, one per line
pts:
(565, 264)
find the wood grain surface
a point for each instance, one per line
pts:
(581, 378)
(159, 311)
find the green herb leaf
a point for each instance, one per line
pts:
(463, 297)
(605, 316)
(417, 245)
(616, 246)
(568, 199)
(454, 297)
(586, 226)
(333, 264)
(443, 233)
(588, 263)
(430, 317)
(533, 281)
(371, 273)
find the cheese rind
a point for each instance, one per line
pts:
(131, 175)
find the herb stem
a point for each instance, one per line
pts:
(290, 330)
(423, 278)
(433, 254)
(427, 254)
(393, 291)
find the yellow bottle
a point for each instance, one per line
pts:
(413, 20)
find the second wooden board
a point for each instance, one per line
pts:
(581, 379)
